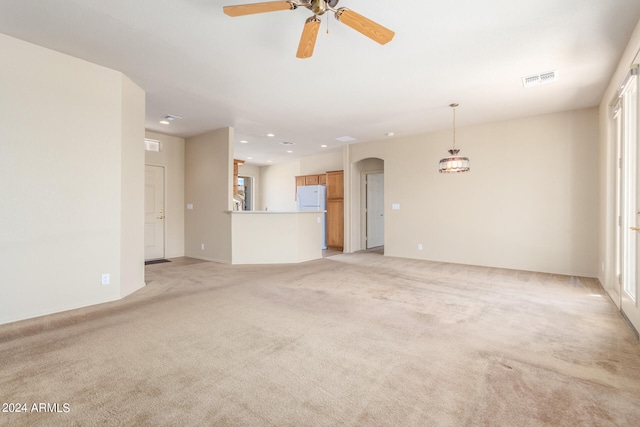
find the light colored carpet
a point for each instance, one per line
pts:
(349, 340)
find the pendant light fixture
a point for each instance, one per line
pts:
(454, 163)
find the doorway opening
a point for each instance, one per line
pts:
(245, 189)
(370, 173)
(374, 210)
(154, 213)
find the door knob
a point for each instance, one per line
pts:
(634, 228)
(160, 217)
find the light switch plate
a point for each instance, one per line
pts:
(395, 206)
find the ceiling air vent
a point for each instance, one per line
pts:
(345, 139)
(538, 79)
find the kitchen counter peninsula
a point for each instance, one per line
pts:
(276, 237)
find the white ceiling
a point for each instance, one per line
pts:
(216, 71)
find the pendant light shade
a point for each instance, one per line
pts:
(454, 163)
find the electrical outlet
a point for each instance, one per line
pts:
(106, 279)
(419, 246)
(202, 246)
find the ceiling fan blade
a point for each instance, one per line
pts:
(308, 38)
(249, 9)
(364, 25)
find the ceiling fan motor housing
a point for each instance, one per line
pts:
(319, 7)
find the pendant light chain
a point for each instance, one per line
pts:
(327, 26)
(453, 106)
(454, 125)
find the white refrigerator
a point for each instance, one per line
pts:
(313, 198)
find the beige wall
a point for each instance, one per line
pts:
(277, 186)
(321, 163)
(277, 182)
(538, 213)
(132, 187)
(208, 187)
(530, 201)
(171, 157)
(608, 167)
(70, 158)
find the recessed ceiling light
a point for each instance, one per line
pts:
(323, 146)
(269, 161)
(271, 135)
(289, 151)
(389, 134)
(345, 139)
(164, 122)
(244, 141)
(249, 158)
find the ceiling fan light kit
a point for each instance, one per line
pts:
(361, 24)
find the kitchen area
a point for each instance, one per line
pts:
(231, 212)
(265, 236)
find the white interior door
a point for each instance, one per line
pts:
(375, 210)
(154, 212)
(630, 221)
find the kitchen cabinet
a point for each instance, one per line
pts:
(236, 163)
(334, 180)
(335, 224)
(300, 181)
(335, 184)
(311, 180)
(335, 210)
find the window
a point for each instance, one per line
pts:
(151, 145)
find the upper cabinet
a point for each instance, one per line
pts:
(319, 179)
(335, 185)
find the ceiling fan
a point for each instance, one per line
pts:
(348, 17)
